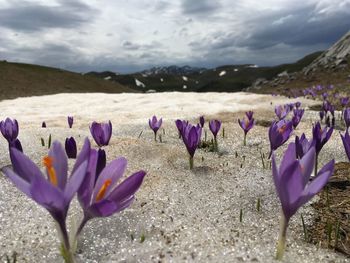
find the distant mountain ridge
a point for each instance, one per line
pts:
(173, 70)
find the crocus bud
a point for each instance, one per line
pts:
(71, 148)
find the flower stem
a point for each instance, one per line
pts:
(316, 164)
(191, 162)
(155, 136)
(216, 148)
(245, 139)
(65, 249)
(282, 238)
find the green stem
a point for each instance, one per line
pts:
(245, 139)
(216, 148)
(282, 238)
(155, 136)
(191, 162)
(65, 249)
(316, 164)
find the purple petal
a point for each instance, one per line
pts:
(83, 155)
(17, 180)
(60, 164)
(103, 208)
(75, 181)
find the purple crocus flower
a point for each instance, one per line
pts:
(155, 124)
(346, 143)
(246, 125)
(249, 114)
(71, 148)
(303, 145)
(43, 124)
(297, 104)
(70, 121)
(344, 101)
(201, 121)
(101, 161)
(191, 136)
(100, 195)
(326, 106)
(101, 132)
(319, 87)
(347, 117)
(298, 114)
(9, 129)
(293, 186)
(282, 111)
(214, 126)
(324, 95)
(279, 133)
(54, 191)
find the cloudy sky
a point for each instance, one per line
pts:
(131, 35)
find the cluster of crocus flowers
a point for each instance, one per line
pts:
(191, 136)
(279, 133)
(247, 123)
(10, 129)
(293, 186)
(282, 111)
(155, 124)
(214, 126)
(101, 132)
(99, 193)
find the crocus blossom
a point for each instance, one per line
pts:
(298, 114)
(293, 186)
(214, 126)
(279, 133)
(9, 129)
(297, 104)
(347, 117)
(346, 142)
(191, 136)
(101, 195)
(71, 148)
(155, 124)
(282, 111)
(101, 132)
(246, 125)
(344, 101)
(180, 125)
(303, 145)
(249, 114)
(43, 124)
(70, 121)
(201, 121)
(54, 191)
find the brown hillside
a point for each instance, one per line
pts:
(22, 80)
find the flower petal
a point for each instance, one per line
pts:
(17, 180)
(83, 155)
(75, 181)
(60, 163)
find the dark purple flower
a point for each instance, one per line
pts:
(293, 186)
(101, 161)
(346, 142)
(214, 126)
(344, 101)
(297, 104)
(154, 124)
(191, 136)
(105, 196)
(279, 133)
(201, 121)
(54, 191)
(249, 115)
(324, 95)
(282, 111)
(70, 121)
(101, 132)
(347, 117)
(16, 144)
(71, 148)
(9, 129)
(303, 145)
(321, 136)
(246, 125)
(43, 125)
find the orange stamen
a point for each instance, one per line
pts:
(282, 129)
(101, 193)
(48, 163)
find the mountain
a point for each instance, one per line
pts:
(19, 80)
(172, 70)
(228, 78)
(330, 67)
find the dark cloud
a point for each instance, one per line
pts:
(200, 7)
(29, 16)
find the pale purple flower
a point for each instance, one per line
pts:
(279, 133)
(155, 124)
(101, 132)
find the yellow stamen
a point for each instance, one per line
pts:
(103, 189)
(48, 163)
